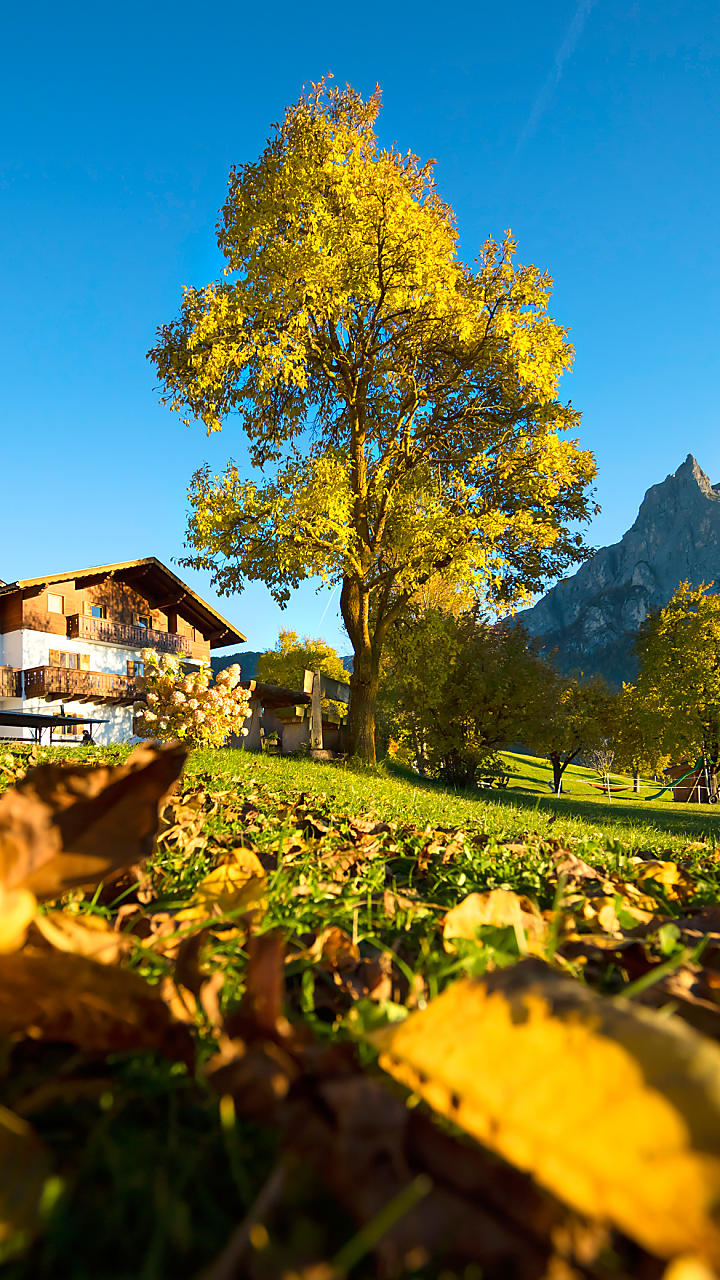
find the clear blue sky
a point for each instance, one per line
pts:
(591, 129)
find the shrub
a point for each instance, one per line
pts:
(183, 703)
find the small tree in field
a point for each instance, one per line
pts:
(458, 690)
(637, 736)
(402, 406)
(678, 687)
(578, 719)
(185, 704)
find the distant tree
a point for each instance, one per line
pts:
(577, 718)
(404, 406)
(286, 664)
(462, 690)
(636, 736)
(678, 685)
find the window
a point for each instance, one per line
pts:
(73, 661)
(56, 604)
(96, 611)
(135, 669)
(65, 730)
(142, 620)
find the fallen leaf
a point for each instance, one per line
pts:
(497, 907)
(17, 908)
(85, 935)
(611, 1107)
(675, 883)
(71, 826)
(25, 1168)
(335, 949)
(231, 888)
(94, 1006)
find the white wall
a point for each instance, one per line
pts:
(36, 646)
(27, 648)
(11, 649)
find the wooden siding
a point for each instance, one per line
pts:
(28, 608)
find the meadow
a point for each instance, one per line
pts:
(382, 893)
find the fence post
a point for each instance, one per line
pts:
(316, 731)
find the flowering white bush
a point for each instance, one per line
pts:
(187, 705)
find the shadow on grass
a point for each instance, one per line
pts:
(628, 815)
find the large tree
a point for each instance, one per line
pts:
(401, 407)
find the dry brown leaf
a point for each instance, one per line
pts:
(613, 1108)
(498, 907)
(94, 1006)
(71, 826)
(25, 1168)
(86, 935)
(335, 949)
(570, 865)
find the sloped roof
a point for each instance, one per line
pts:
(158, 584)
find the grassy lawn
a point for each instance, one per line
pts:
(580, 813)
(151, 1174)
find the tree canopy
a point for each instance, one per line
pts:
(678, 686)
(578, 718)
(286, 664)
(457, 690)
(401, 406)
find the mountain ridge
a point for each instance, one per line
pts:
(589, 621)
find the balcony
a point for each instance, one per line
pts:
(9, 683)
(54, 683)
(106, 631)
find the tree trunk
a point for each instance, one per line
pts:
(636, 781)
(363, 699)
(364, 682)
(557, 772)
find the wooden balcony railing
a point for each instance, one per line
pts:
(9, 683)
(53, 683)
(82, 627)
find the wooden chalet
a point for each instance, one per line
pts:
(74, 640)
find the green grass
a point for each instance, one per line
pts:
(527, 806)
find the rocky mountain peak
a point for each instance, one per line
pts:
(590, 619)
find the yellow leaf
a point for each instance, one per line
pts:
(25, 1167)
(230, 888)
(688, 1269)
(98, 1007)
(499, 907)
(68, 826)
(17, 908)
(614, 1109)
(675, 883)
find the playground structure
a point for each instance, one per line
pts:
(695, 785)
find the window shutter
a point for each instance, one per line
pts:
(84, 662)
(54, 657)
(130, 668)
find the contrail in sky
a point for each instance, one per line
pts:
(564, 53)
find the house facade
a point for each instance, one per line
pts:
(71, 643)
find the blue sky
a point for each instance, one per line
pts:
(589, 128)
